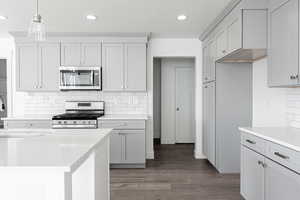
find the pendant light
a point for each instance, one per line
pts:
(37, 29)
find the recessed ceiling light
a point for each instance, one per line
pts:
(3, 17)
(181, 17)
(91, 17)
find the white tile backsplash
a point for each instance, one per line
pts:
(53, 103)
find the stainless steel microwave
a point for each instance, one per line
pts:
(80, 78)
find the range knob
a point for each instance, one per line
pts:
(65, 122)
(74, 122)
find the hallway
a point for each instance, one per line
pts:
(174, 175)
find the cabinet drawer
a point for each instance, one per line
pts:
(120, 125)
(253, 142)
(284, 156)
(27, 124)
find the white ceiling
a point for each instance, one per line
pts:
(130, 16)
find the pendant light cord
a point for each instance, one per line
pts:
(37, 7)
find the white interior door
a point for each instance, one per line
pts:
(185, 105)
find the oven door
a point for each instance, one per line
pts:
(80, 78)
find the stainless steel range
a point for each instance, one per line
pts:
(79, 114)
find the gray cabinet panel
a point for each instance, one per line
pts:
(71, 54)
(135, 67)
(134, 151)
(281, 183)
(27, 67)
(209, 134)
(283, 43)
(252, 174)
(113, 67)
(49, 66)
(233, 110)
(115, 147)
(91, 54)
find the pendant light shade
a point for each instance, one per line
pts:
(36, 28)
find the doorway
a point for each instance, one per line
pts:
(3, 90)
(174, 100)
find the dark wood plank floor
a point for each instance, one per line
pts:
(174, 175)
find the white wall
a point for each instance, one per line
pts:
(269, 104)
(168, 96)
(176, 48)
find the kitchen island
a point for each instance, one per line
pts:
(53, 164)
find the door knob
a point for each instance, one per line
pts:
(177, 109)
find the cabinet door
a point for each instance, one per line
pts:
(212, 61)
(221, 44)
(206, 56)
(209, 122)
(134, 143)
(281, 183)
(27, 67)
(49, 54)
(135, 67)
(91, 54)
(113, 67)
(70, 54)
(234, 31)
(115, 147)
(283, 43)
(252, 174)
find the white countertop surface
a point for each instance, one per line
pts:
(123, 117)
(64, 149)
(105, 117)
(285, 136)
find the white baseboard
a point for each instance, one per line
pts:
(150, 155)
(199, 155)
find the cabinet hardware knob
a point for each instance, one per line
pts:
(250, 141)
(293, 77)
(281, 155)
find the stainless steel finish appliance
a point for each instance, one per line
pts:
(79, 114)
(80, 78)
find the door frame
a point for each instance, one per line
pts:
(168, 133)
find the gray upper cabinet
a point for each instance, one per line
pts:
(242, 34)
(124, 67)
(49, 65)
(40, 62)
(234, 34)
(283, 47)
(91, 54)
(252, 174)
(80, 54)
(113, 67)
(221, 40)
(135, 67)
(27, 66)
(209, 58)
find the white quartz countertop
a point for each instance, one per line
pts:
(64, 149)
(285, 136)
(105, 117)
(123, 117)
(28, 117)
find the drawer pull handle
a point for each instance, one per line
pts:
(250, 141)
(281, 155)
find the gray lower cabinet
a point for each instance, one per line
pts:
(252, 179)
(127, 147)
(127, 143)
(283, 50)
(266, 177)
(280, 182)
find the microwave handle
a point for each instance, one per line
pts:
(92, 77)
